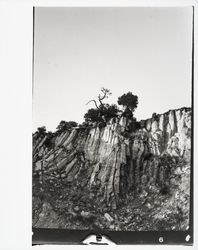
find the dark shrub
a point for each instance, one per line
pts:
(155, 117)
(49, 141)
(102, 114)
(128, 100)
(93, 115)
(40, 133)
(64, 126)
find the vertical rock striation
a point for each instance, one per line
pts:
(116, 159)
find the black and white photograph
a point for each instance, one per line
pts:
(112, 118)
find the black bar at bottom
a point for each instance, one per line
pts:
(63, 236)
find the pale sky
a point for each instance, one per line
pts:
(79, 50)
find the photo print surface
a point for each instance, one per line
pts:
(112, 115)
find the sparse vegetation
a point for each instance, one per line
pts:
(41, 132)
(105, 93)
(49, 141)
(64, 126)
(129, 102)
(103, 112)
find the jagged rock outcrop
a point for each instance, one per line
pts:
(111, 161)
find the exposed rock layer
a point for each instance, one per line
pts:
(112, 161)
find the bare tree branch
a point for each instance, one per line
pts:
(94, 103)
(106, 93)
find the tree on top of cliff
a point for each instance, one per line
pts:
(102, 112)
(41, 132)
(63, 126)
(92, 115)
(105, 93)
(110, 111)
(129, 102)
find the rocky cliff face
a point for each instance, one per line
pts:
(113, 164)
